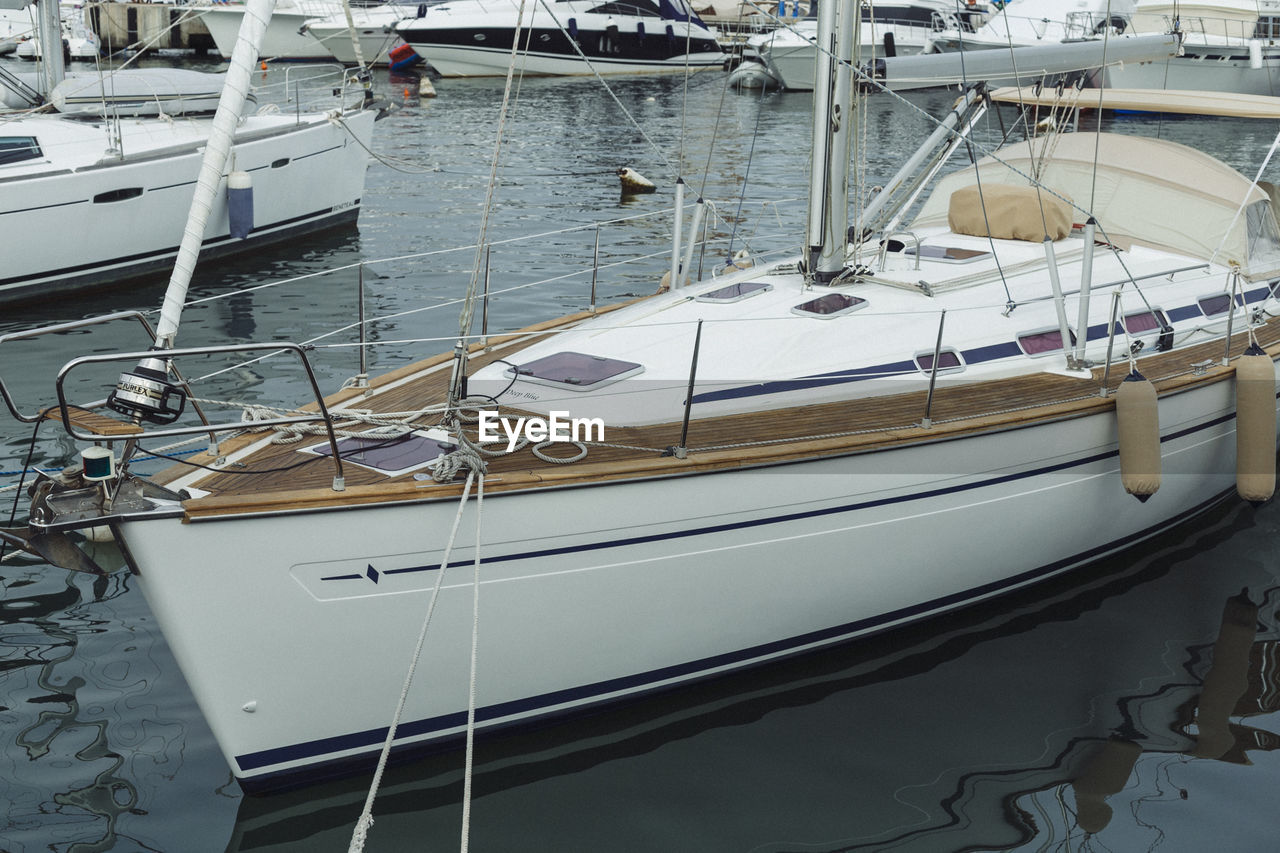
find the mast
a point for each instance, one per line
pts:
(230, 104)
(833, 132)
(52, 68)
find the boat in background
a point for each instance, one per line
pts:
(473, 38)
(784, 57)
(113, 168)
(15, 25)
(375, 30)
(79, 42)
(284, 40)
(911, 415)
(1227, 46)
(1030, 22)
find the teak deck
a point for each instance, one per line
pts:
(713, 443)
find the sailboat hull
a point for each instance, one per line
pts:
(296, 630)
(127, 214)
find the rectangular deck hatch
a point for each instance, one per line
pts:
(391, 456)
(575, 370)
(734, 292)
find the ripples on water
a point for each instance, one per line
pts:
(964, 733)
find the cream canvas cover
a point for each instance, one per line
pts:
(1008, 212)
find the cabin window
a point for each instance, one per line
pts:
(1143, 321)
(829, 306)
(280, 164)
(1043, 341)
(1211, 306)
(15, 149)
(575, 370)
(949, 361)
(117, 195)
(947, 254)
(734, 292)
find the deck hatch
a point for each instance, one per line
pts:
(734, 292)
(947, 254)
(392, 456)
(575, 370)
(830, 305)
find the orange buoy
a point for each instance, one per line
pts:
(263, 65)
(1255, 425)
(1138, 421)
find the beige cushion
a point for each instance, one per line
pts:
(1012, 213)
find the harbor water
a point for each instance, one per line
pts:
(1132, 705)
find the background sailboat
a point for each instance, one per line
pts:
(123, 185)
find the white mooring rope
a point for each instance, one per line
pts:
(361, 831)
(471, 695)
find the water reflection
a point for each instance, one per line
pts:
(89, 749)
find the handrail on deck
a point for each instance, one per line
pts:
(322, 416)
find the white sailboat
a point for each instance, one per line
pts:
(123, 183)
(784, 56)
(795, 454)
(283, 39)
(373, 27)
(78, 40)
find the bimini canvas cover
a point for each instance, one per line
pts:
(1145, 191)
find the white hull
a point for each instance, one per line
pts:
(1195, 72)
(127, 217)
(596, 593)
(473, 38)
(375, 29)
(790, 55)
(376, 44)
(281, 40)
